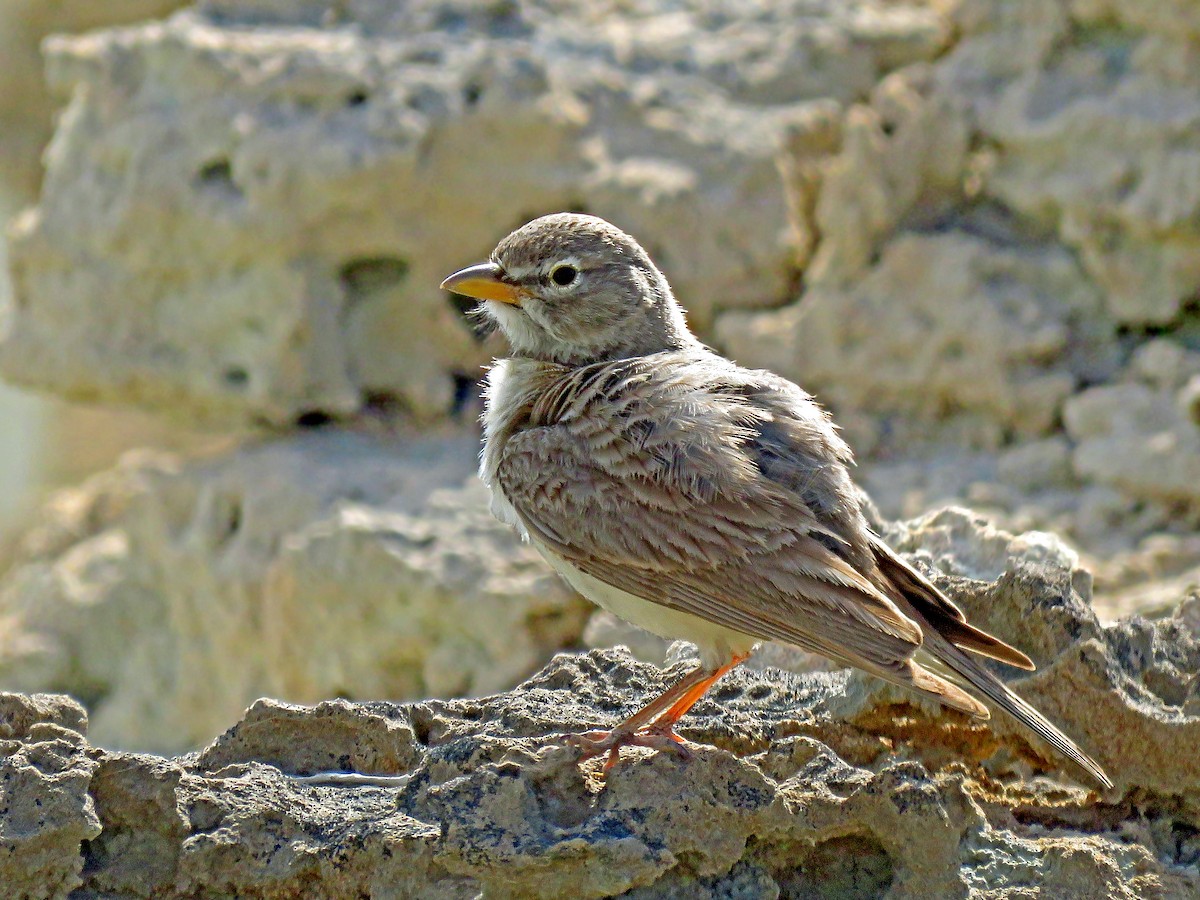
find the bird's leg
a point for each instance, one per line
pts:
(654, 724)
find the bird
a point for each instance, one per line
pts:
(693, 497)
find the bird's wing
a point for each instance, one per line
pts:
(935, 608)
(662, 485)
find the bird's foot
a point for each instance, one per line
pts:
(656, 737)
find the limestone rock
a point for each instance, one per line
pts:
(798, 785)
(1164, 363)
(983, 338)
(26, 108)
(45, 773)
(267, 194)
(169, 594)
(901, 154)
(1087, 122)
(1049, 156)
(1139, 440)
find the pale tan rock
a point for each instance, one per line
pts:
(1137, 439)
(168, 594)
(904, 151)
(268, 194)
(26, 122)
(1189, 400)
(1037, 465)
(1089, 108)
(48, 813)
(944, 328)
(1164, 363)
(26, 107)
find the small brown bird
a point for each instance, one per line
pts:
(692, 497)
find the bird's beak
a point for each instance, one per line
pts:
(483, 282)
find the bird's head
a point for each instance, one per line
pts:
(574, 289)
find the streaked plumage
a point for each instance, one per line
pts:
(693, 497)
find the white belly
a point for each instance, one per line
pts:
(717, 644)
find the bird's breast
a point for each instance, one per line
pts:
(511, 394)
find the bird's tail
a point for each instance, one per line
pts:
(950, 641)
(971, 671)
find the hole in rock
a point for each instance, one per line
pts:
(314, 418)
(370, 275)
(236, 377)
(386, 404)
(232, 519)
(216, 177)
(854, 867)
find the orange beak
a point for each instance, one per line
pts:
(483, 282)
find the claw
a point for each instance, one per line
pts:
(653, 725)
(597, 743)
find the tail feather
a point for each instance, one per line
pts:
(939, 611)
(966, 636)
(946, 691)
(908, 673)
(995, 690)
(947, 639)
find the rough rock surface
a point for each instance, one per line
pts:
(168, 595)
(988, 335)
(26, 109)
(47, 810)
(984, 211)
(1142, 441)
(825, 785)
(274, 189)
(1000, 241)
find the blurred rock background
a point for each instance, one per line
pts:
(971, 228)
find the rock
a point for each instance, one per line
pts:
(270, 192)
(986, 235)
(1138, 440)
(1084, 107)
(168, 594)
(20, 713)
(982, 337)
(26, 108)
(1132, 677)
(822, 783)
(1037, 465)
(1164, 363)
(1189, 400)
(825, 781)
(45, 773)
(902, 153)
(26, 122)
(606, 630)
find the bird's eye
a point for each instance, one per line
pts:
(563, 275)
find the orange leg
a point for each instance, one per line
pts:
(653, 724)
(680, 707)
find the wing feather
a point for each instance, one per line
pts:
(669, 498)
